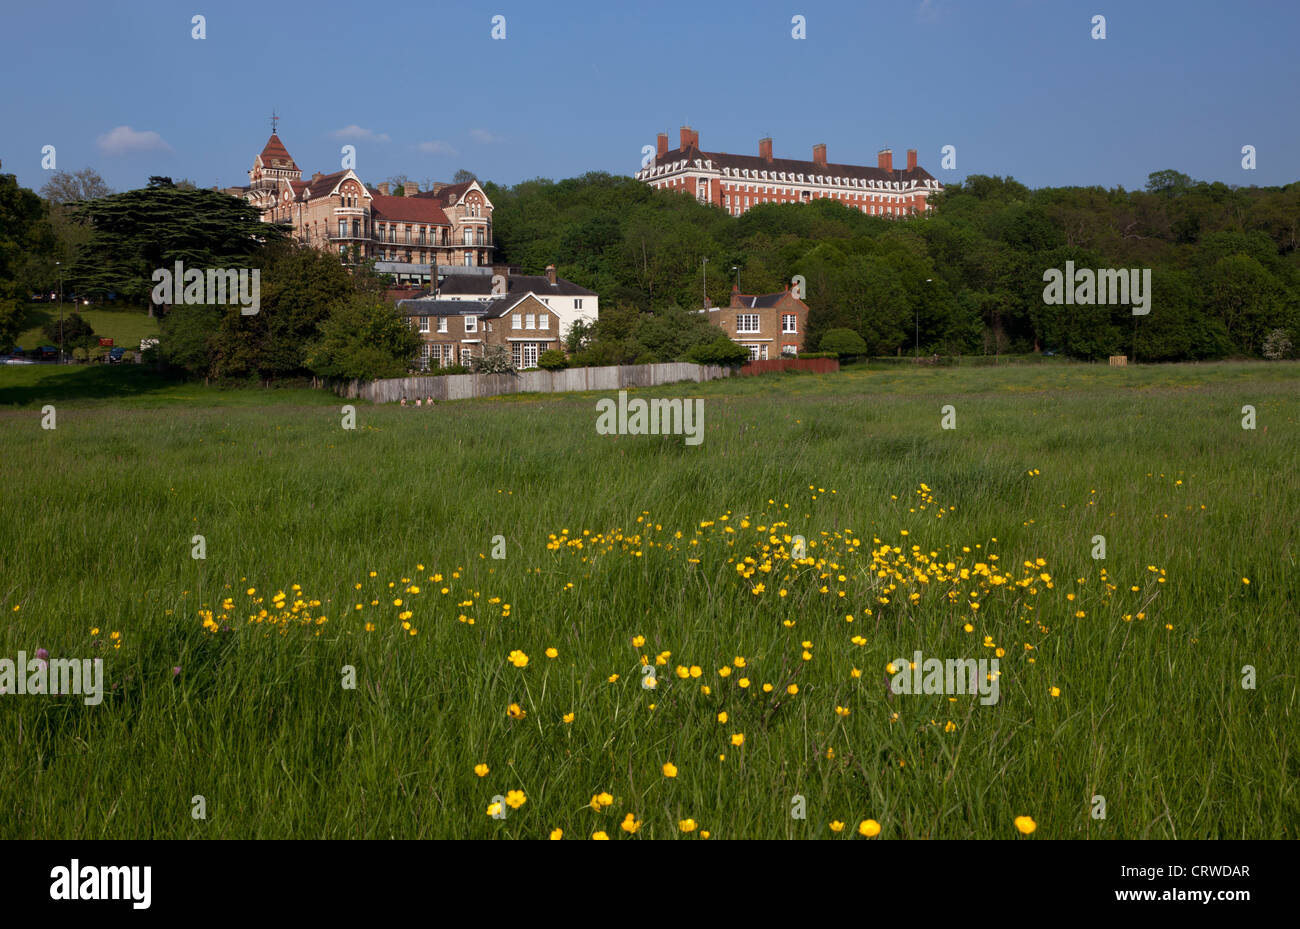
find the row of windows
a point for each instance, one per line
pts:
(759, 352)
(530, 321)
(471, 323)
(749, 322)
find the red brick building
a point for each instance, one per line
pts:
(408, 236)
(769, 325)
(737, 183)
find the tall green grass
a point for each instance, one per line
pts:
(1154, 719)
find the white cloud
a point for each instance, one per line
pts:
(358, 134)
(483, 136)
(123, 140)
(436, 148)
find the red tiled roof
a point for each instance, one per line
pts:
(446, 195)
(275, 155)
(408, 210)
(321, 186)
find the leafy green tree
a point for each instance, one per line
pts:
(76, 332)
(362, 339)
(139, 231)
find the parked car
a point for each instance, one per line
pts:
(46, 353)
(16, 360)
(115, 355)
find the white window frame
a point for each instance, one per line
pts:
(424, 324)
(515, 322)
(743, 318)
(790, 322)
(471, 324)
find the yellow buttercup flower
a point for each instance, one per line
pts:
(481, 770)
(686, 825)
(515, 799)
(552, 653)
(837, 826)
(1026, 824)
(630, 824)
(567, 717)
(557, 834)
(515, 711)
(600, 836)
(738, 739)
(670, 769)
(869, 828)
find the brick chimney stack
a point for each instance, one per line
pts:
(550, 274)
(410, 189)
(317, 176)
(383, 189)
(885, 160)
(819, 154)
(911, 159)
(663, 144)
(686, 137)
(765, 149)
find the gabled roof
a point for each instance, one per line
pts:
(407, 209)
(789, 166)
(480, 285)
(275, 155)
(761, 301)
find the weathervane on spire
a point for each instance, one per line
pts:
(274, 120)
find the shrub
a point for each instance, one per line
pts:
(80, 355)
(1277, 345)
(495, 360)
(843, 342)
(817, 355)
(552, 360)
(719, 351)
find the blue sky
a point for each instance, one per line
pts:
(1019, 87)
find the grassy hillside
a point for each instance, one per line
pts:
(125, 328)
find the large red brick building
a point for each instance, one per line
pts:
(408, 236)
(737, 183)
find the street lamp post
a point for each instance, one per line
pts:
(705, 265)
(59, 265)
(736, 268)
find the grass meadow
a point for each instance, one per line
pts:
(638, 558)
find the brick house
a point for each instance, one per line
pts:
(769, 325)
(570, 301)
(453, 332)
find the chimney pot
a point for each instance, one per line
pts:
(383, 189)
(410, 189)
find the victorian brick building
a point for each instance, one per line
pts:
(737, 183)
(408, 235)
(456, 331)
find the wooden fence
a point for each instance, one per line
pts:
(466, 386)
